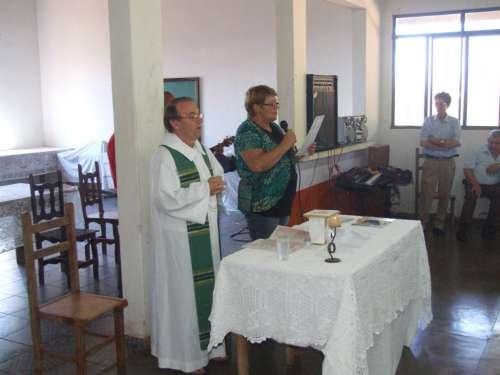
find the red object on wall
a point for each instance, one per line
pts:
(112, 159)
(316, 196)
(326, 196)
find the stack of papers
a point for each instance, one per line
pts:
(271, 245)
(293, 234)
(375, 222)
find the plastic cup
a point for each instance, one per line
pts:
(283, 245)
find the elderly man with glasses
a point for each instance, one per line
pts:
(482, 179)
(185, 180)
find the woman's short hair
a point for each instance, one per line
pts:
(171, 112)
(257, 95)
(444, 96)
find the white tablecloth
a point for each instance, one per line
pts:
(86, 156)
(380, 290)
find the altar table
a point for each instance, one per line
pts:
(359, 313)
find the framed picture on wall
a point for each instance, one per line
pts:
(189, 87)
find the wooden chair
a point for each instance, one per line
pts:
(418, 170)
(90, 188)
(47, 202)
(75, 309)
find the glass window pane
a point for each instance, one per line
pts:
(409, 80)
(441, 23)
(483, 91)
(446, 57)
(482, 20)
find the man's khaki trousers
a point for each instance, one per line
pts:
(437, 173)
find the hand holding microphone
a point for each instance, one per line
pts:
(292, 139)
(289, 138)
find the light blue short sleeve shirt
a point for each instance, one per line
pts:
(447, 128)
(479, 161)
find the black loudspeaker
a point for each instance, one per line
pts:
(322, 100)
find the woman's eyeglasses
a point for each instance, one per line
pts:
(273, 105)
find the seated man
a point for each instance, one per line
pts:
(482, 179)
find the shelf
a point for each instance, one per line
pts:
(338, 151)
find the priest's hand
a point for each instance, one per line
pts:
(216, 184)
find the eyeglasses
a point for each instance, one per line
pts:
(192, 116)
(273, 105)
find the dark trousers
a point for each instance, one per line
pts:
(263, 226)
(492, 192)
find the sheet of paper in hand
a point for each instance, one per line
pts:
(311, 135)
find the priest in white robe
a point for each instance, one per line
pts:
(185, 181)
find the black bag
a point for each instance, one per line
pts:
(395, 176)
(354, 179)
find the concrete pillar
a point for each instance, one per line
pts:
(359, 62)
(291, 34)
(137, 78)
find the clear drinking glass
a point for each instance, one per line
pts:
(283, 245)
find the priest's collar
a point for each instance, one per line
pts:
(172, 140)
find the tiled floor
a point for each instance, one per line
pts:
(464, 337)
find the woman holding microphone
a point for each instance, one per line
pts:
(265, 159)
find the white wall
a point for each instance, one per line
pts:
(75, 71)
(330, 47)
(404, 141)
(20, 102)
(231, 46)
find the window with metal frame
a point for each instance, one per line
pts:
(457, 52)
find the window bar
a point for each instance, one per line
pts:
(466, 77)
(460, 84)
(394, 82)
(430, 77)
(426, 93)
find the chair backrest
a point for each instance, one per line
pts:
(418, 171)
(47, 198)
(90, 188)
(31, 254)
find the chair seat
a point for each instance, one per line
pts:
(80, 307)
(57, 236)
(113, 215)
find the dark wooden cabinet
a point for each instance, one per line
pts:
(373, 202)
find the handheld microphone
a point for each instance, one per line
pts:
(284, 126)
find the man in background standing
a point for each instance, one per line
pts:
(439, 139)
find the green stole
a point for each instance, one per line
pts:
(199, 248)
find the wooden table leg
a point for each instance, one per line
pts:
(20, 255)
(242, 355)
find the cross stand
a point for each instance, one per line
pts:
(332, 248)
